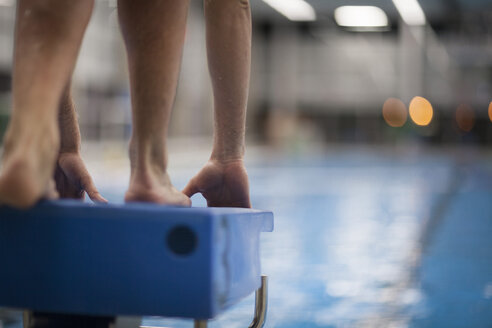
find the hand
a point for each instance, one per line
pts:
(73, 180)
(222, 183)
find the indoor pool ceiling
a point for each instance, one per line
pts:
(434, 9)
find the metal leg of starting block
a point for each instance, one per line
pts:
(26, 317)
(201, 323)
(261, 304)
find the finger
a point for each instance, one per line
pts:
(97, 197)
(90, 188)
(191, 188)
(66, 189)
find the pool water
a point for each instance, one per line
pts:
(372, 240)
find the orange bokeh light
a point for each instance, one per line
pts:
(421, 111)
(465, 117)
(490, 111)
(394, 112)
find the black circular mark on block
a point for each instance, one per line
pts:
(182, 240)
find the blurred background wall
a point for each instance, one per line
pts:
(314, 78)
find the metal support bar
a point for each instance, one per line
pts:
(261, 304)
(26, 318)
(201, 323)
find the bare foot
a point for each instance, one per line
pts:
(28, 165)
(147, 187)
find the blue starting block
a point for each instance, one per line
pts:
(68, 257)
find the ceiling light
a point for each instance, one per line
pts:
(295, 10)
(410, 11)
(360, 16)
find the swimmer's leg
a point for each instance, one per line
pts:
(228, 25)
(48, 35)
(223, 181)
(154, 35)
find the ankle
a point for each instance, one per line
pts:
(148, 157)
(18, 137)
(45, 113)
(147, 160)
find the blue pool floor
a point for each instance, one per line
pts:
(371, 239)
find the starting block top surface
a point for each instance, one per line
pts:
(133, 259)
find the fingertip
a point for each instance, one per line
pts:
(102, 200)
(96, 197)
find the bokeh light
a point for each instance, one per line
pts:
(421, 111)
(394, 112)
(490, 111)
(465, 117)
